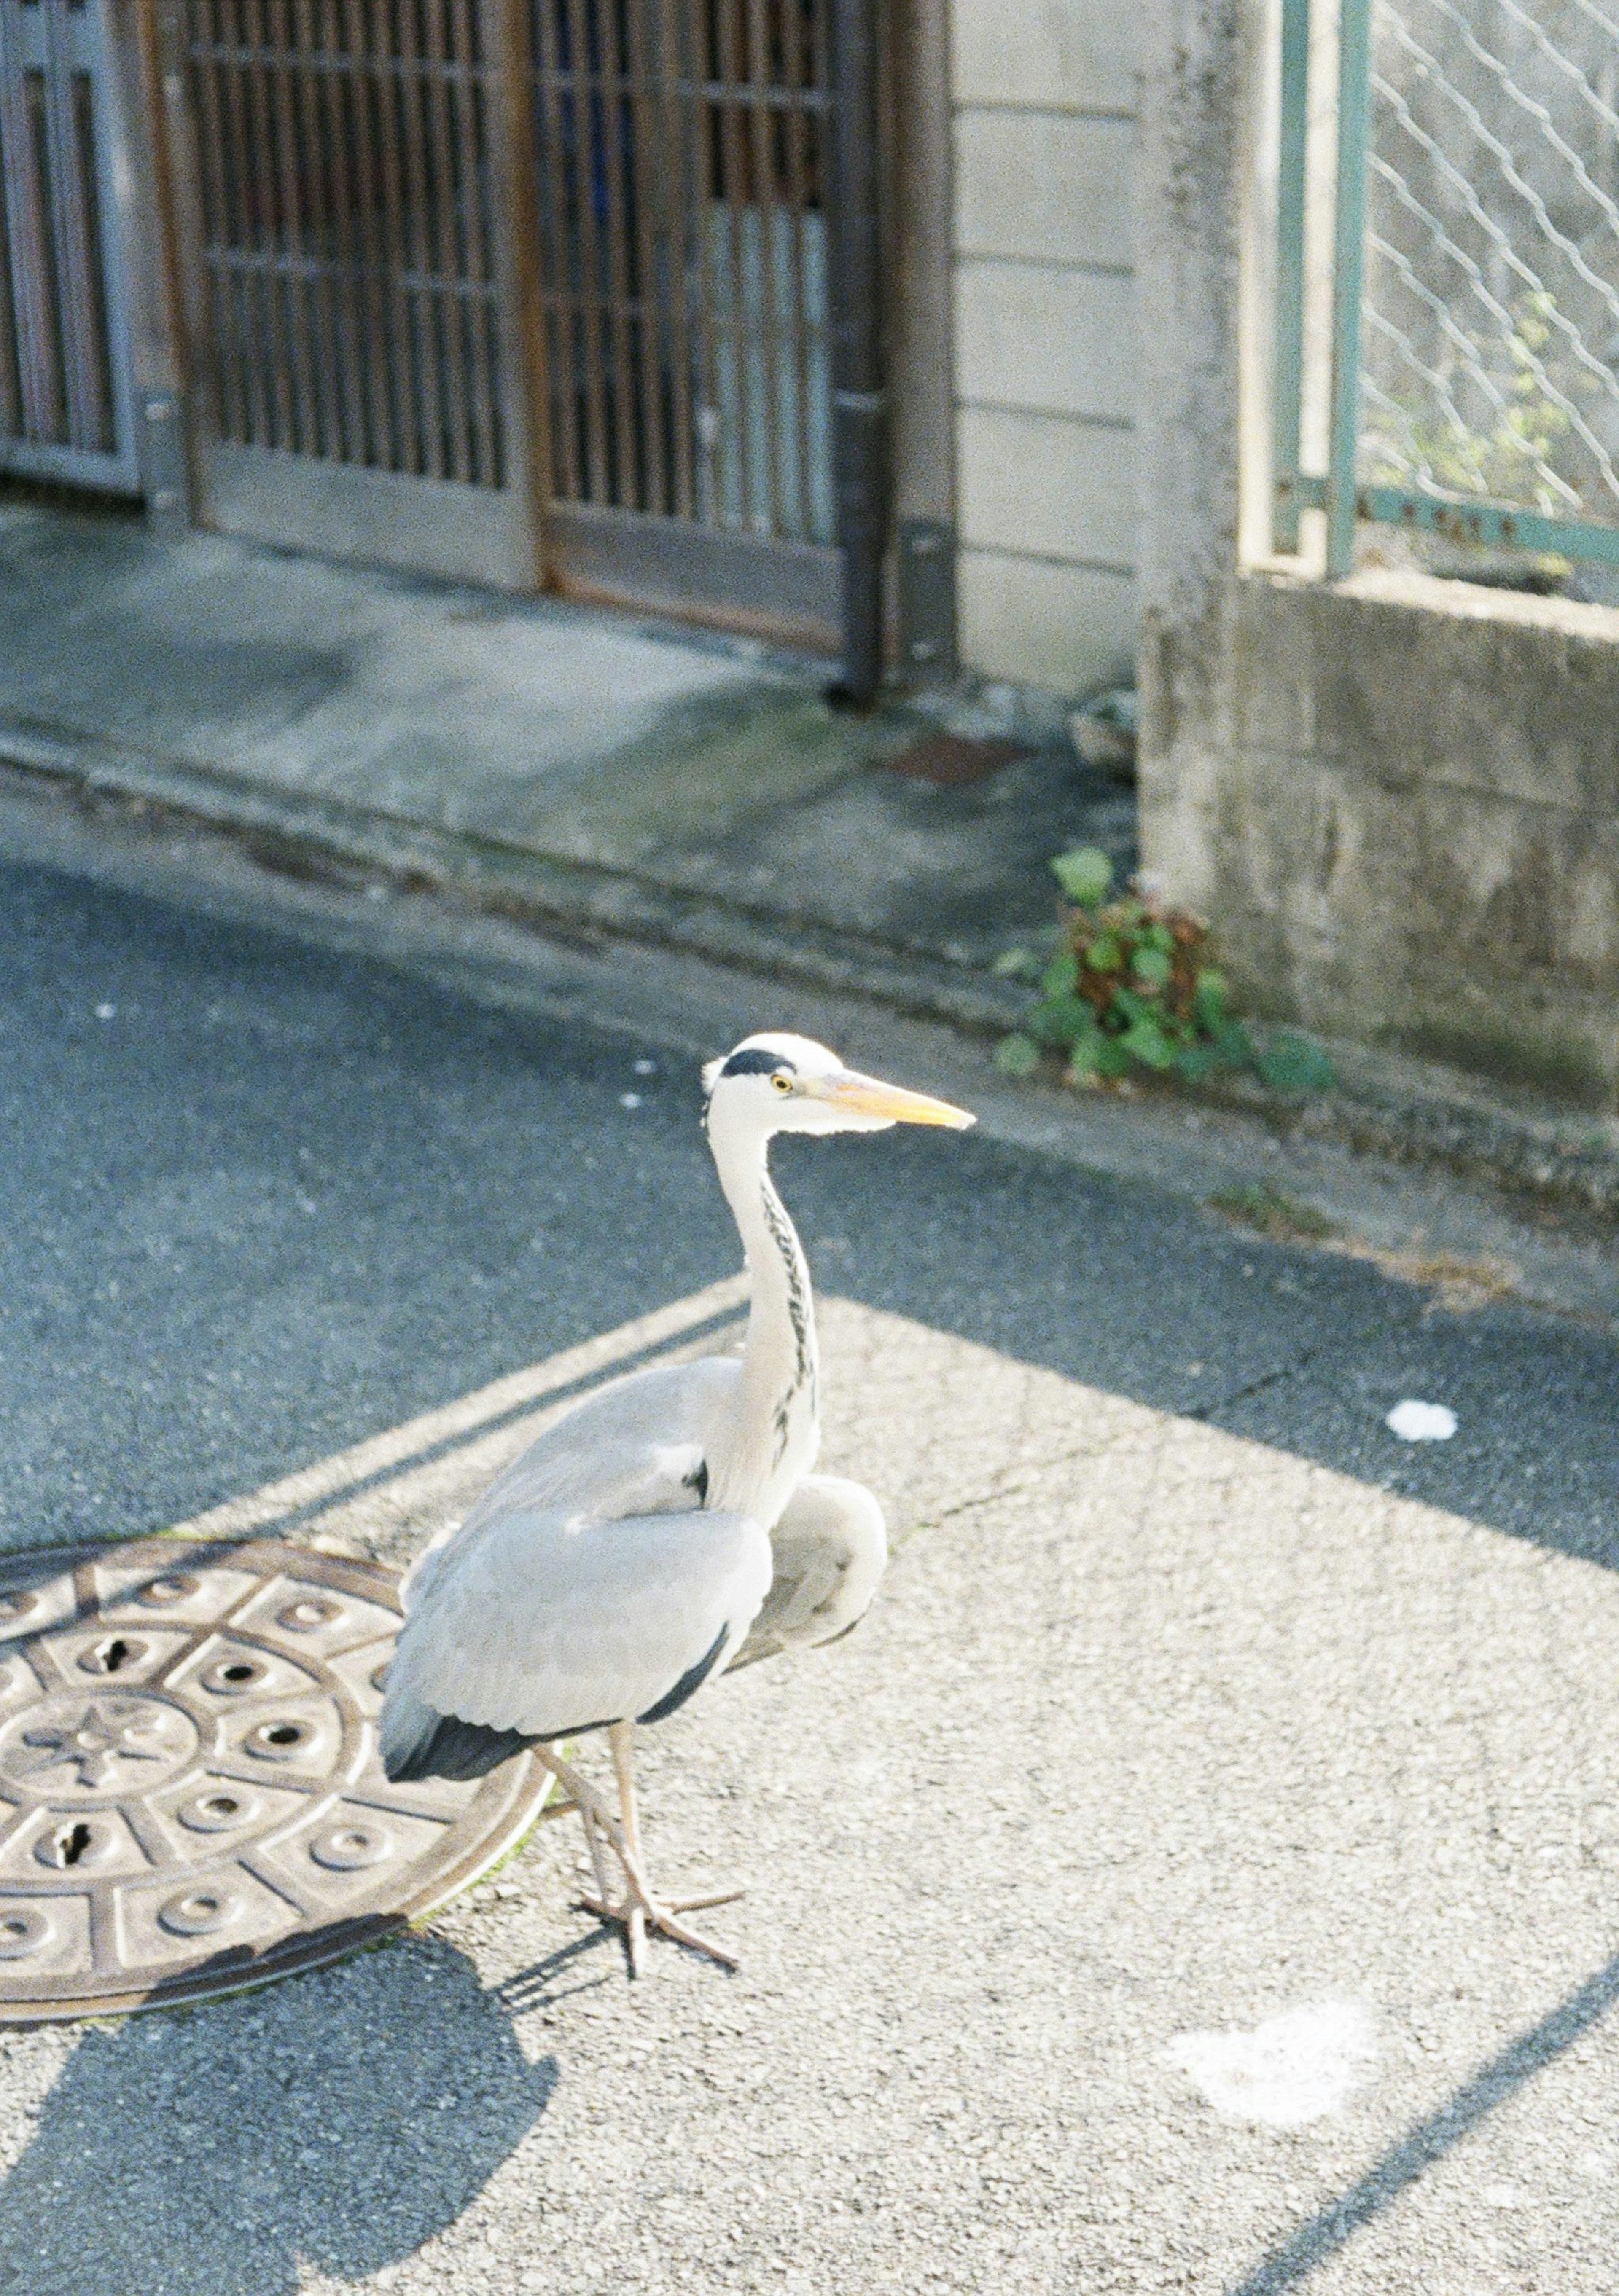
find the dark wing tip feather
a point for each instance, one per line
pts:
(689, 1683)
(449, 1747)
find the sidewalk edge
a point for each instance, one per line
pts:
(1386, 1105)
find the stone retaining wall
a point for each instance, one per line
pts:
(1397, 800)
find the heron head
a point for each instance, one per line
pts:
(778, 1083)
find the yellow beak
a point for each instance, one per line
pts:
(870, 1096)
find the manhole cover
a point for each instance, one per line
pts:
(191, 1798)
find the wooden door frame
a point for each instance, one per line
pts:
(157, 343)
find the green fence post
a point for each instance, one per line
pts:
(1288, 369)
(1348, 263)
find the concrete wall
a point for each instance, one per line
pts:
(1043, 111)
(1397, 800)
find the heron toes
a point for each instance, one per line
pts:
(654, 1913)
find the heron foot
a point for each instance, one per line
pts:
(653, 1913)
(672, 1904)
(604, 1829)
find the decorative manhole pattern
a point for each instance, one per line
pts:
(192, 1798)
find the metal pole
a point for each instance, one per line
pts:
(1349, 255)
(860, 410)
(1288, 374)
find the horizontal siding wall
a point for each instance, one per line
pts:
(1043, 108)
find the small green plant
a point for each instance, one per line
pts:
(1271, 1211)
(1513, 461)
(1129, 988)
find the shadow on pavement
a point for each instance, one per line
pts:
(297, 1197)
(1332, 2227)
(1120, 1285)
(599, 1954)
(335, 2122)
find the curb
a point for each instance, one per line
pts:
(1386, 1104)
(1406, 1111)
(316, 836)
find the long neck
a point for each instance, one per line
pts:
(779, 1405)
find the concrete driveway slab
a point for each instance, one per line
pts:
(269, 689)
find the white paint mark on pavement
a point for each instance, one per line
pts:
(1421, 1423)
(1288, 2071)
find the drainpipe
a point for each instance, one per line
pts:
(860, 410)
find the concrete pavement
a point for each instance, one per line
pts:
(595, 774)
(601, 776)
(1195, 1875)
(284, 1193)
(592, 767)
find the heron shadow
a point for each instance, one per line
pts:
(580, 1961)
(336, 2121)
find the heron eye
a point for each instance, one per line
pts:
(782, 1083)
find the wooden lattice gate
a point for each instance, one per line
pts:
(352, 296)
(519, 290)
(682, 156)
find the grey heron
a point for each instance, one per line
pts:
(666, 1528)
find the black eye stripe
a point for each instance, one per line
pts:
(754, 1061)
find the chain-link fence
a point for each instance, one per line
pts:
(1475, 345)
(1491, 339)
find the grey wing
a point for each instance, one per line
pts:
(540, 1628)
(636, 1446)
(828, 1551)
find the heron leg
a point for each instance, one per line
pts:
(599, 1813)
(593, 1839)
(621, 1738)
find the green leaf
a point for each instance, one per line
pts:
(1113, 1061)
(1017, 1056)
(1018, 964)
(1105, 954)
(1061, 977)
(1208, 1000)
(1152, 968)
(1057, 1021)
(1085, 1056)
(1234, 1044)
(1086, 876)
(1290, 1063)
(1196, 1061)
(1157, 936)
(1144, 1041)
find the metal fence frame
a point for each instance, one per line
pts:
(66, 394)
(1336, 491)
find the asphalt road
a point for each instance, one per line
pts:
(261, 1200)
(1193, 1877)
